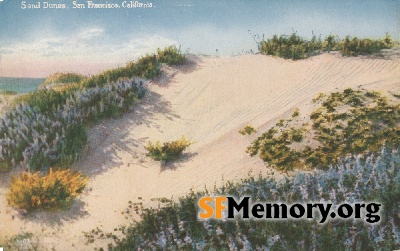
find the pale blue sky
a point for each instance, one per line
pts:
(41, 41)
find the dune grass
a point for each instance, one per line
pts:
(295, 47)
(147, 67)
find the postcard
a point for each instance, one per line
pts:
(199, 125)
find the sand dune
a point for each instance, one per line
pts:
(208, 101)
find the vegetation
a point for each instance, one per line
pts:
(48, 127)
(175, 225)
(348, 122)
(355, 46)
(21, 241)
(296, 113)
(61, 79)
(248, 130)
(146, 67)
(7, 93)
(293, 46)
(171, 56)
(168, 150)
(274, 147)
(296, 47)
(54, 190)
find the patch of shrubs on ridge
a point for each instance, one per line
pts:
(348, 122)
(295, 47)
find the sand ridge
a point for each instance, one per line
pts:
(208, 101)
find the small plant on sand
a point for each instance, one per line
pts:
(168, 150)
(248, 130)
(54, 190)
(296, 113)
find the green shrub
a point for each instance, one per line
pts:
(289, 47)
(168, 150)
(296, 113)
(356, 46)
(274, 148)
(61, 79)
(171, 55)
(248, 130)
(54, 190)
(331, 43)
(147, 67)
(348, 122)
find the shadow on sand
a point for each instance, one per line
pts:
(56, 218)
(175, 164)
(109, 138)
(168, 73)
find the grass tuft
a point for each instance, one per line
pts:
(168, 150)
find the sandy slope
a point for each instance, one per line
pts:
(209, 101)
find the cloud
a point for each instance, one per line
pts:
(55, 46)
(90, 33)
(91, 46)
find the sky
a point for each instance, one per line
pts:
(39, 42)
